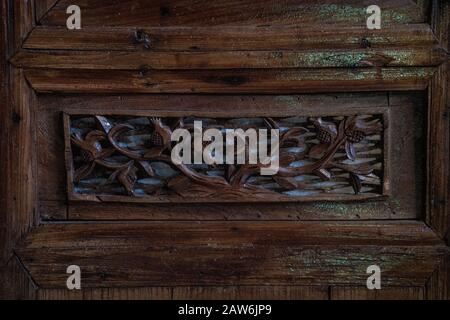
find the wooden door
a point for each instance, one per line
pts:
(86, 178)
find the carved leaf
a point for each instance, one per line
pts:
(83, 171)
(286, 182)
(350, 151)
(270, 123)
(318, 150)
(147, 167)
(323, 173)
(355, 181)
(118, 152)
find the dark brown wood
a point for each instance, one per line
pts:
(144, 13)
(404, 108)
(439, 135)
(233, 38)
(151, 293)
(362, 293)
(251, 293)
(325, 58)
(15, 281)
(230, 81)
(146, 172)
(18, 185)
(279, 253)
(210, 57)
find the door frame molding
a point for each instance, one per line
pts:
(26, 72)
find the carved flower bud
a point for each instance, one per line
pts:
(355, 136)
(323, 136)
(156, 139)
(87, 156)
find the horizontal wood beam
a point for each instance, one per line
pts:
(266, 81)
(231, 253)
(325, 58)
(229, 38)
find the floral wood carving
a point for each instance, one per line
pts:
(127, 158)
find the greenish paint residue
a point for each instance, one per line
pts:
(395, 16)
(403, 57)
(359, 74)
(346, 13)
(329, 59)
(338, 13)
(289, 100)
(346, 208)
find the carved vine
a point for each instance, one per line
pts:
(97, 147)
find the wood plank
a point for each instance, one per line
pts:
(151, 293)
(244, 253)
(21, 21)
(438, 286)
(5, 49)
(231, 38)
(404, 203)
(20, 177)
(189, 293)
(278, 81)
(53, 210)
(235, 12)
(15, 282)
(362, 293)
(251, 293)
(324, 58)
(267, 211)
(42, 7)
(438, 154)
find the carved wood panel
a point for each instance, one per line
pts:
(128, 158)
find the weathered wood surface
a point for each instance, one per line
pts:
(17, 191)
(438, 182)
(189, 293)
(277, 81)
(362, 293)
(438, 154)
(405, 56)
(351, 159)
(244, 253)
(206, 13)
(328, 58)
(404, 108)
(232, 38)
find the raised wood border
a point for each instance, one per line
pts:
(18, 194)
(74, 196)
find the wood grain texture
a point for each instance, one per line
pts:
(232, 38)
(325, 58)
(5, 48)
(17, 191)
(144, 13)
(251, 293)
(438, 286)
(128, 260)
(15, 282)
(438, 154)
(276, 81)
(189, 293)
(405, 108)
(152, 293)
(19, 198)
(21, 22)
(148, 173)
(244, 253)
(42, 7)
(362, 293)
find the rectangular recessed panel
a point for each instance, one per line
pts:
(128, 158)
